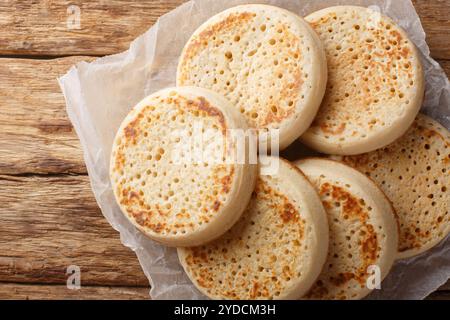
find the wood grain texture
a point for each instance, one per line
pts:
(435, 19)
(43, 230)
(49, 223)
(35, 134)
(106, 26)
(439, 295)
(445, 287)
(59, 292)
(109, 26)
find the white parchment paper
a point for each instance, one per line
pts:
(99, 95)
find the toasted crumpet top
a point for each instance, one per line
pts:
(267, 61)
(375, 81)
(363, 230)
(275, 251)
(414, 172)
(178, 202)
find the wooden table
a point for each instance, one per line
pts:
(49, 219)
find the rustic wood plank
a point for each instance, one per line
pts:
(109, 26)
(60, 292)
(44, 230)
(439, 295)
(435, 20)
(49, 292)
(35, 133)
(445, 287)
(106, 27)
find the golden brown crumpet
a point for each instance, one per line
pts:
(175, 202)
(414, 172)
(363, 230)
(375, 81)
(267, 61)
(275, 251)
